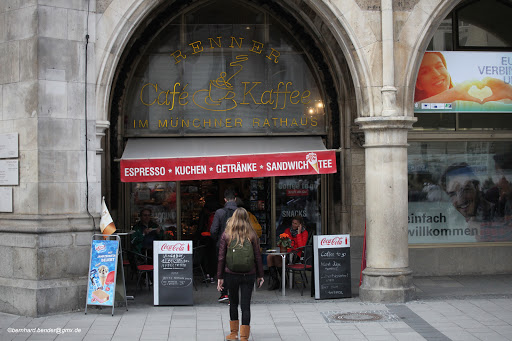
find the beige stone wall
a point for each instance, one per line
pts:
(45, 241)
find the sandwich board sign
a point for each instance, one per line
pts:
(101, 284)
(173, 272)
(332, 266)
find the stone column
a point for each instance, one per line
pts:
(45, 242)
(387, 277)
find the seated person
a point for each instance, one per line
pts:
(299, 237)
(146, 231)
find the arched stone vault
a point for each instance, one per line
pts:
(118, 24)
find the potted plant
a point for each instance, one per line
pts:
(284, 242)
(168, 235)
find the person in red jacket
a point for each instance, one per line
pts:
(299, 236)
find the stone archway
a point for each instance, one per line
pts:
(117, 34)
(329, 43)
(424, 32)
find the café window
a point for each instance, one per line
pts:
(157, 197)
(460, 192)
(298, 196)
(481, 24)
(224, 68)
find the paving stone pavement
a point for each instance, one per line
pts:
(445, 308)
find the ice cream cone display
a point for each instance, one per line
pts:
(107, 225)
(109, 229)
(105, 254)
(313, 161)
(102, 273)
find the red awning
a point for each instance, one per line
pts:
(177, 159)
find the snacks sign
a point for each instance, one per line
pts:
(226, 167)
(456, 81)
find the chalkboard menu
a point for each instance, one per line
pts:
(332, 266)
(173, 265)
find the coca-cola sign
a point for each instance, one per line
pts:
(334, 241)
(173, 246)
(173, 272)
(332, 266)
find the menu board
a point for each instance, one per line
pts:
(102, 272)
(332, 266)
(172, 260)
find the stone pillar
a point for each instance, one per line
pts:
(387, 277)
(45, 242)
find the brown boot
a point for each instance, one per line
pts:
(233, 325)
(244, 332)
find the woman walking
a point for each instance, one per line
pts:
(238, 268)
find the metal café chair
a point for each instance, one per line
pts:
(304, 264)
(142, 270)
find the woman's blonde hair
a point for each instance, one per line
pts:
(239, 227)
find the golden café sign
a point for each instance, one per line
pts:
(227, 84)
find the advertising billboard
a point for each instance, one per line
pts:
(459, 81)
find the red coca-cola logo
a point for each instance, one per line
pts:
(173, 247)
(333, 241)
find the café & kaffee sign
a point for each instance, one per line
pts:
(225, 84)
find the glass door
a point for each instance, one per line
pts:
(298, 196)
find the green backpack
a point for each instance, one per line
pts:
(240, 258)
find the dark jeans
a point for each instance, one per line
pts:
(245, 283)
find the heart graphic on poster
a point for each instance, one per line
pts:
(481, 94)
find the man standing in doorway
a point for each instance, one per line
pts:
(219, 224)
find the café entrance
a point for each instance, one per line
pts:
(183, 180)
(181, 208)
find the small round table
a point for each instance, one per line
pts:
(283, 268)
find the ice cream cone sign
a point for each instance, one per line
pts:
(313, 161)
(106, 223)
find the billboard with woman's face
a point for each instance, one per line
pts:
(457, 81)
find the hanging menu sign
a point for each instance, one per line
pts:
(173, 266)
(332, 266)
(8, 145)
(9, 172)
